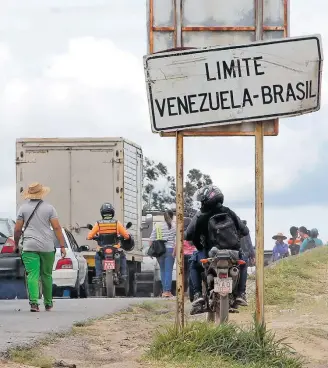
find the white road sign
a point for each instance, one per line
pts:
(227, 85)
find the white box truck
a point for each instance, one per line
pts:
(83, 173)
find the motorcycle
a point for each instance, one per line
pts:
(110, 256)
(220, 280)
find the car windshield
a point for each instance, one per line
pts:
(4, 227)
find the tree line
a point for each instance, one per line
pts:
(159, 189)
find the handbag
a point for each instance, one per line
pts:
(28, 221)
(157, 247)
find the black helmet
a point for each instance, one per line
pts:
(128, 244)
(107, 210)
(209, 196)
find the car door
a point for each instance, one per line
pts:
(9, 261)
(82, 263)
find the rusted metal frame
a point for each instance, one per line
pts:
(286, 13)
(180, 235)
(217, 28)
(151, 26)
(259, 188)
(217, 133)
(179, 192)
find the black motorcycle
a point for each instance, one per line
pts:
(220, 280)
(111, 257)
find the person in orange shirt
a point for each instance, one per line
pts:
(294, 242)
(108, 229)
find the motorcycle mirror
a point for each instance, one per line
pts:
(128, 225)
(84, 248)
(89, 226)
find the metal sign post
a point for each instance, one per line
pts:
(179, 238)
(259, 221)
(259, 191)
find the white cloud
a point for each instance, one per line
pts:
(15, 92)
(5, 54)
(99, 64)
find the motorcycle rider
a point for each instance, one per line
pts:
(108, 230)
(211, 200)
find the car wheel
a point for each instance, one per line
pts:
(75, 293)
(134, 286)
(84, 288)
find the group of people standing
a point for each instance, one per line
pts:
(300, 241)
(198, 242)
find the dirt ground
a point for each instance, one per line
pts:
(120, 340)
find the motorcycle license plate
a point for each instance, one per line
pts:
(223, 286)
(109, 265)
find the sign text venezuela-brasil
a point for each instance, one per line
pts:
(231, 84)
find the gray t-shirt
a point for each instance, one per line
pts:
(39, 236)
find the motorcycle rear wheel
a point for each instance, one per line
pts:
(211, 317)
(222, 313)
(110, 287)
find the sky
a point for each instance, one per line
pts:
(73, 68)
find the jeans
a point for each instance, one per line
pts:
(99, 268)
(166, 263)
(196, 270)
(243, 277)
(39, 264)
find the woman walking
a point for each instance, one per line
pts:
(37, 223)
(166, 231)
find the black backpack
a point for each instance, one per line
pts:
(222, 232)
(310, 244)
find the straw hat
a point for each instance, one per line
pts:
(279, 235)
(35, 191)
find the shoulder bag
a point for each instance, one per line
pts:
(157, 247)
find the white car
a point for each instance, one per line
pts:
(70, 273)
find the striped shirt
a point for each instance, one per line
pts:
(167, 234)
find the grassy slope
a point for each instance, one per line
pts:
(294, 278)
(286, 283)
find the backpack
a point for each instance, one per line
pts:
(310, 244)
(222, 232)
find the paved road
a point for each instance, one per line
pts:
(18, 326)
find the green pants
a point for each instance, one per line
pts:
(39, 264)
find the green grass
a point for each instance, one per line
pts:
(228, 344)
(150, 306)
(30, 356)
(288, 279)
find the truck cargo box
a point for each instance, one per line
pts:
(83, 173)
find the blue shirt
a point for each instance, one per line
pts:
(318, 243)
(279, 250)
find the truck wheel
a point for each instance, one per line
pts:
(110, 287)
(126, 287)
(157, 288)
(123, 289)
